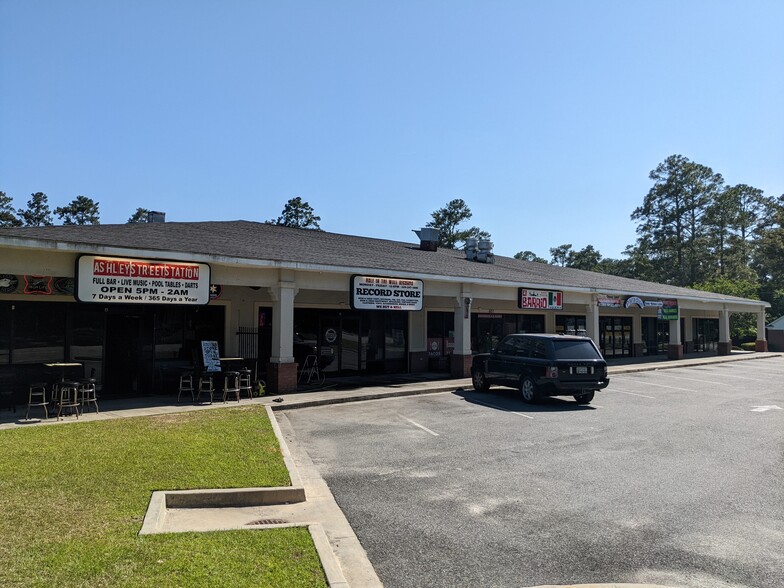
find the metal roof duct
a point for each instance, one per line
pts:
(428, 238)
(481, 251)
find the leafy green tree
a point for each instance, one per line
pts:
(529, 256)
(297, 214)
(586, 258)
(616, 267)
(140, 216)
(80, 211)
(671, 228)
(560, 255)
(448, 219)
(37, 213)
(768, 255)
(731, 222)
(8, 217)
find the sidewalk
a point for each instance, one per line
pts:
(415, 384)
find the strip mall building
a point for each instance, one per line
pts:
(132, 303)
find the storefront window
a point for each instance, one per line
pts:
(347, 342)
(5, 333)
(706, 334)
(86, 339)
(39, 332)
(488, 329)
(615, 336)
(570, 325)
(440, 339)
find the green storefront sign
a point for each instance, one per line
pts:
(669, 310)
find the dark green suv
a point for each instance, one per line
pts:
(543, 365)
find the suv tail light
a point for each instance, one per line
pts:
(552, 372)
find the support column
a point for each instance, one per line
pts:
(282, 370)
(417, 337)
(461, 357)
(637, 335)
(688, 335)
(549, 322)
(592, 320)
(761, 344)
(675, 350)
(725, 343)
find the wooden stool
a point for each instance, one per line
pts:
(231, 385)
(205, 386)
(37, 397)
(245, 383)
(69, 398)
(186, 386)
(88, 393)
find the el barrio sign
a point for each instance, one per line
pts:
(117, 279)
(540, 299)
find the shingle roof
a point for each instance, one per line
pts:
(260, 241)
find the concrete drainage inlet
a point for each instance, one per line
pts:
(269, 522)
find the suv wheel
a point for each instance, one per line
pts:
(479, 381)
(528, 390)
(584, 398)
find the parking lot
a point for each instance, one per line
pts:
(672, 477)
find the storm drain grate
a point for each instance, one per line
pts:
(269, 522)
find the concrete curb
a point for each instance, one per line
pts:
(329, 562)
(450, 386)
(681, 363)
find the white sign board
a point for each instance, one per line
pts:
(141, 281)
(540, 299)
(210, 356)
(379, 293)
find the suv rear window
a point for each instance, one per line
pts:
(566, 349)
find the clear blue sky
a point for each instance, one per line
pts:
(545, 117)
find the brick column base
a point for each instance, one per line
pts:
(725, 347)
(638, 350)
(281, 377)
(461, 365)
(761, 346)
(675, 352)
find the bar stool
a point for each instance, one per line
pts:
(69, 398)
(245, 383)
(37, 397)
(88, 393)
(231, 385)
(186, 386)
(205, 386)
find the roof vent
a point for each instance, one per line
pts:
(156, 217)
(479, 250)
(428, 238)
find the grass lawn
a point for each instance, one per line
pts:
(73, 497)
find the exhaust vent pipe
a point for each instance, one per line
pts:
(428, 238)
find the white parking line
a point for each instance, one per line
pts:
(646, 383)
(725, 375)
(418, 425)
(633, 393)
(501, 408)
(659, 373)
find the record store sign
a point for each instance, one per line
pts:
(141, 281)
(380, 293)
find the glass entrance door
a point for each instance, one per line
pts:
(655, 335)
(615, 336)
